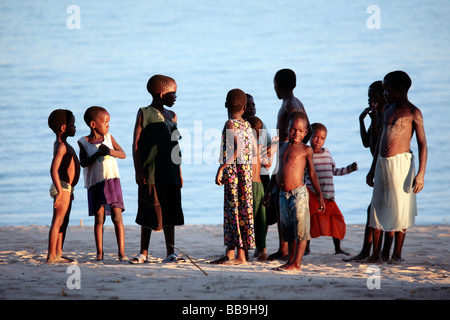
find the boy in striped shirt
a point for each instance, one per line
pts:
(329, 222)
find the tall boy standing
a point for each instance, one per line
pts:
(284, 83)
(394, 207)
(158, 172)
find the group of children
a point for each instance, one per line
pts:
(300, 192)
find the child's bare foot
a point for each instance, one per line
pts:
(221, 260)
(278, 256)
(358, 257)
(340, 251)
(262, 255)
(395, 260)
(288, 267)
(374, 259)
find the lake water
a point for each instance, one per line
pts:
(51, 59)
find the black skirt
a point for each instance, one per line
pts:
(164, 197)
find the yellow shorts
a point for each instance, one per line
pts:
(65, 186)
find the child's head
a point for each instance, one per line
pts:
(163, 87)
(318, 136)
(60, 119)
(250, 109)
(285, 79)
(297, 126)
(236, 101)
(375, 94)
(256, 124)
(97, 118)
(396, 85)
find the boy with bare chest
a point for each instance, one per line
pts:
(394, 207)
(293, 157)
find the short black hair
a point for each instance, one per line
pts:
(58, 118)
(399, 79)
(158, 83)
(318, 126)
(286, 79)
(297, 115)
(377, 86)
(91, 113)
(236, 100)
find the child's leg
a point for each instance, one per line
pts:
(116, 217)
(169, 235)
(240, 256)
(388, 240)
(145, 240)
(283, 249)
(56, 235)
(377, 243)
(367, 244)
(296, 252)
(62, 233)
(399, 240)
(337, 247)
(98, 231)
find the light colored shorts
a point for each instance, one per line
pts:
(294, 214)
(65, 186)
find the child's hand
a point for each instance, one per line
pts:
(58, 200)
(140, 180)
(266, 199)
(103, 150)
(369, 178)
(354, 166)
(321, 204)
(418, 183)
(219, 176)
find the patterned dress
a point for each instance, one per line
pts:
(237, 179)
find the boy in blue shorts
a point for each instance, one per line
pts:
(293, 157)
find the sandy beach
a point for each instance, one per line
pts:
(26, 276)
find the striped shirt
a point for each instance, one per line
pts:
(326, 169)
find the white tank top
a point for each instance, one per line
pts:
(104, 168)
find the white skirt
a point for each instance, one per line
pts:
(394, 205)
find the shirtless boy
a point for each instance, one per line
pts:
(293, 157)
(284, 83)
(65, 172)
(394, 207)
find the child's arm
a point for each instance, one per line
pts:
(345, 170)
(117, 150)
(370, 176)
(139, 175)
(419, 179)
(268, 191)
(314, 178)
(61, 150)
(365, 136)
(228, 126)
(86, 161)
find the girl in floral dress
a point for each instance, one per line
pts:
(235, 173)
